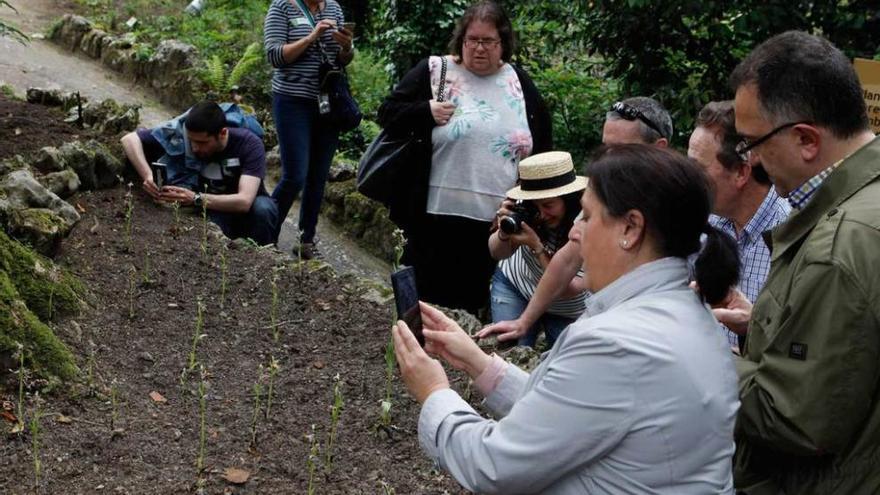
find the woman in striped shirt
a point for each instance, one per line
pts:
(298, 36)
(549, 198)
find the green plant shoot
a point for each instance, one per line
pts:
(114, 404)
(273, 312)
(224, 268)
(204, 244)
(129, 212)
(35, 441)
(313, 460)
(335, 412)
(273, 371)
(132, 289)
(258, 391)
(200, 460)
(20, 349)
(197, 334)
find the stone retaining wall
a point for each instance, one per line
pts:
(168, 71)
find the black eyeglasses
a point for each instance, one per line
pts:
(487, 43)
(632, 113)
(746, 145)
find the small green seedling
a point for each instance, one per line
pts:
(273, 312)
(204, 244)
(20, 426)
(313, 460)
(258, 391)
(35, 441)
(224, 268)
(132, 291)
(175, 207)
(146, 280)
(114, 405)
(197, 334)
(335, 412)
(200, 460)
(129, 213)
(273, 371)
(386, 404)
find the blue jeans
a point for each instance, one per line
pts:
(260, 223)
(307, 148)
(508, 303)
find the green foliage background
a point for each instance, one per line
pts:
(583, 55)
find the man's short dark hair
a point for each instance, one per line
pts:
(207, 117)
(804, 78)
(654, 111)
(490, 12)
(718, 116)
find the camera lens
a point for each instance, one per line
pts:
(509, 225)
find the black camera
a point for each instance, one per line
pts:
(522, 211)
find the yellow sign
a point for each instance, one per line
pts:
(869, 75)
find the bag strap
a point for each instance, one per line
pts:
(442, 87)
(311, 20)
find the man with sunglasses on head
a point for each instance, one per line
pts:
(745, 202)
(636, 120)
(809, 378)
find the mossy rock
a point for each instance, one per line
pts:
(45, 354)
(46, 289)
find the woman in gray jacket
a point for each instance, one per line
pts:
(639, 394)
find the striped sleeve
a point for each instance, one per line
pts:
(275, 33)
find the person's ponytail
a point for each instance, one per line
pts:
(717, 265)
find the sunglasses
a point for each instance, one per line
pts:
(632, 113)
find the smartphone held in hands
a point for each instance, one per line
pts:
(406, 300)
(349, 26)
(160, 173)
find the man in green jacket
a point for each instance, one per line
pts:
(809, 422)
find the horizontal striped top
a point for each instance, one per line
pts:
(285, 23)
(524, 271)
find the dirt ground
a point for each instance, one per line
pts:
(28, 127)
(107, 434)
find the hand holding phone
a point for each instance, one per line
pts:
(349, 26)
(406, 300)
(160, 173)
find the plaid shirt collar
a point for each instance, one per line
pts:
(764, 218)
(801, 196)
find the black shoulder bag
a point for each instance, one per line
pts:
(392, 172)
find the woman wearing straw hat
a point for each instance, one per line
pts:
(548, 194)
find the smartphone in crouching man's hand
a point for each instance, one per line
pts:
(160, 173)
(349, 26)
(406, 299)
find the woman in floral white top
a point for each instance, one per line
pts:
(489, 116)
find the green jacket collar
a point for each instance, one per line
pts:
(857, 171)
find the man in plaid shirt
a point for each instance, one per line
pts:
(746, 204)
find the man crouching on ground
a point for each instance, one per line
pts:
(222, 170)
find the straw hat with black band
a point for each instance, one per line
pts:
(547, 175)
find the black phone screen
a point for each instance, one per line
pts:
(406, 299)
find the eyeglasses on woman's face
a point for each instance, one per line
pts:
(487, 43)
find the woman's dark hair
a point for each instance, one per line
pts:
(673, 194)
(486, 11)
(207, 117)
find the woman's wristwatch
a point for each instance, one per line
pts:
(539, 252)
